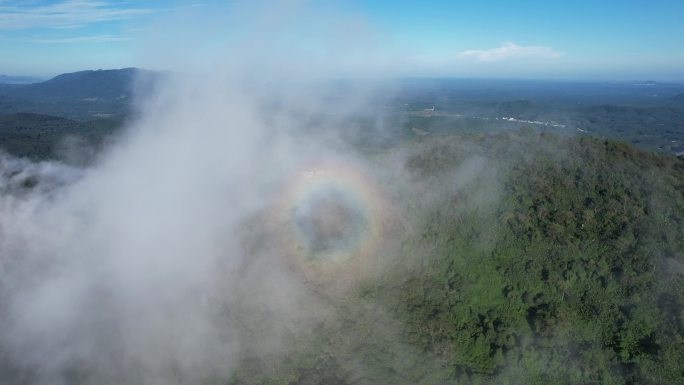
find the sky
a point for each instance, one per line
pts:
(593, 40)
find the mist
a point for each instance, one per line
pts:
(170, 258)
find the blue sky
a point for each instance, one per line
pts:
(610, 40)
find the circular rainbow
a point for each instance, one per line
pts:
(332, 217)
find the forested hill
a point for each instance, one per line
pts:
(83, 95)
(76, 86)
(555, 260)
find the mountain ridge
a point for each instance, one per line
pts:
(82, 95)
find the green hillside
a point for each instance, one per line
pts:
(554, 261)
(504, 255)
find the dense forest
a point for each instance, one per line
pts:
(557, 260)
(44, 137)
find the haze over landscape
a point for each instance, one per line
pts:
(341, 192)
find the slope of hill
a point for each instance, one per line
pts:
(504, 258)
(559, 261)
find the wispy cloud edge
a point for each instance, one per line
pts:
(96, 39)
(66, 14)
(510, 50)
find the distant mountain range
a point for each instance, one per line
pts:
(6, 79)
(81, 96)
(37, 118)
(650, 117)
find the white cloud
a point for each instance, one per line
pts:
(510, 51)
(66, 14)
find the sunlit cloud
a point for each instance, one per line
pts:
(510, 51)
